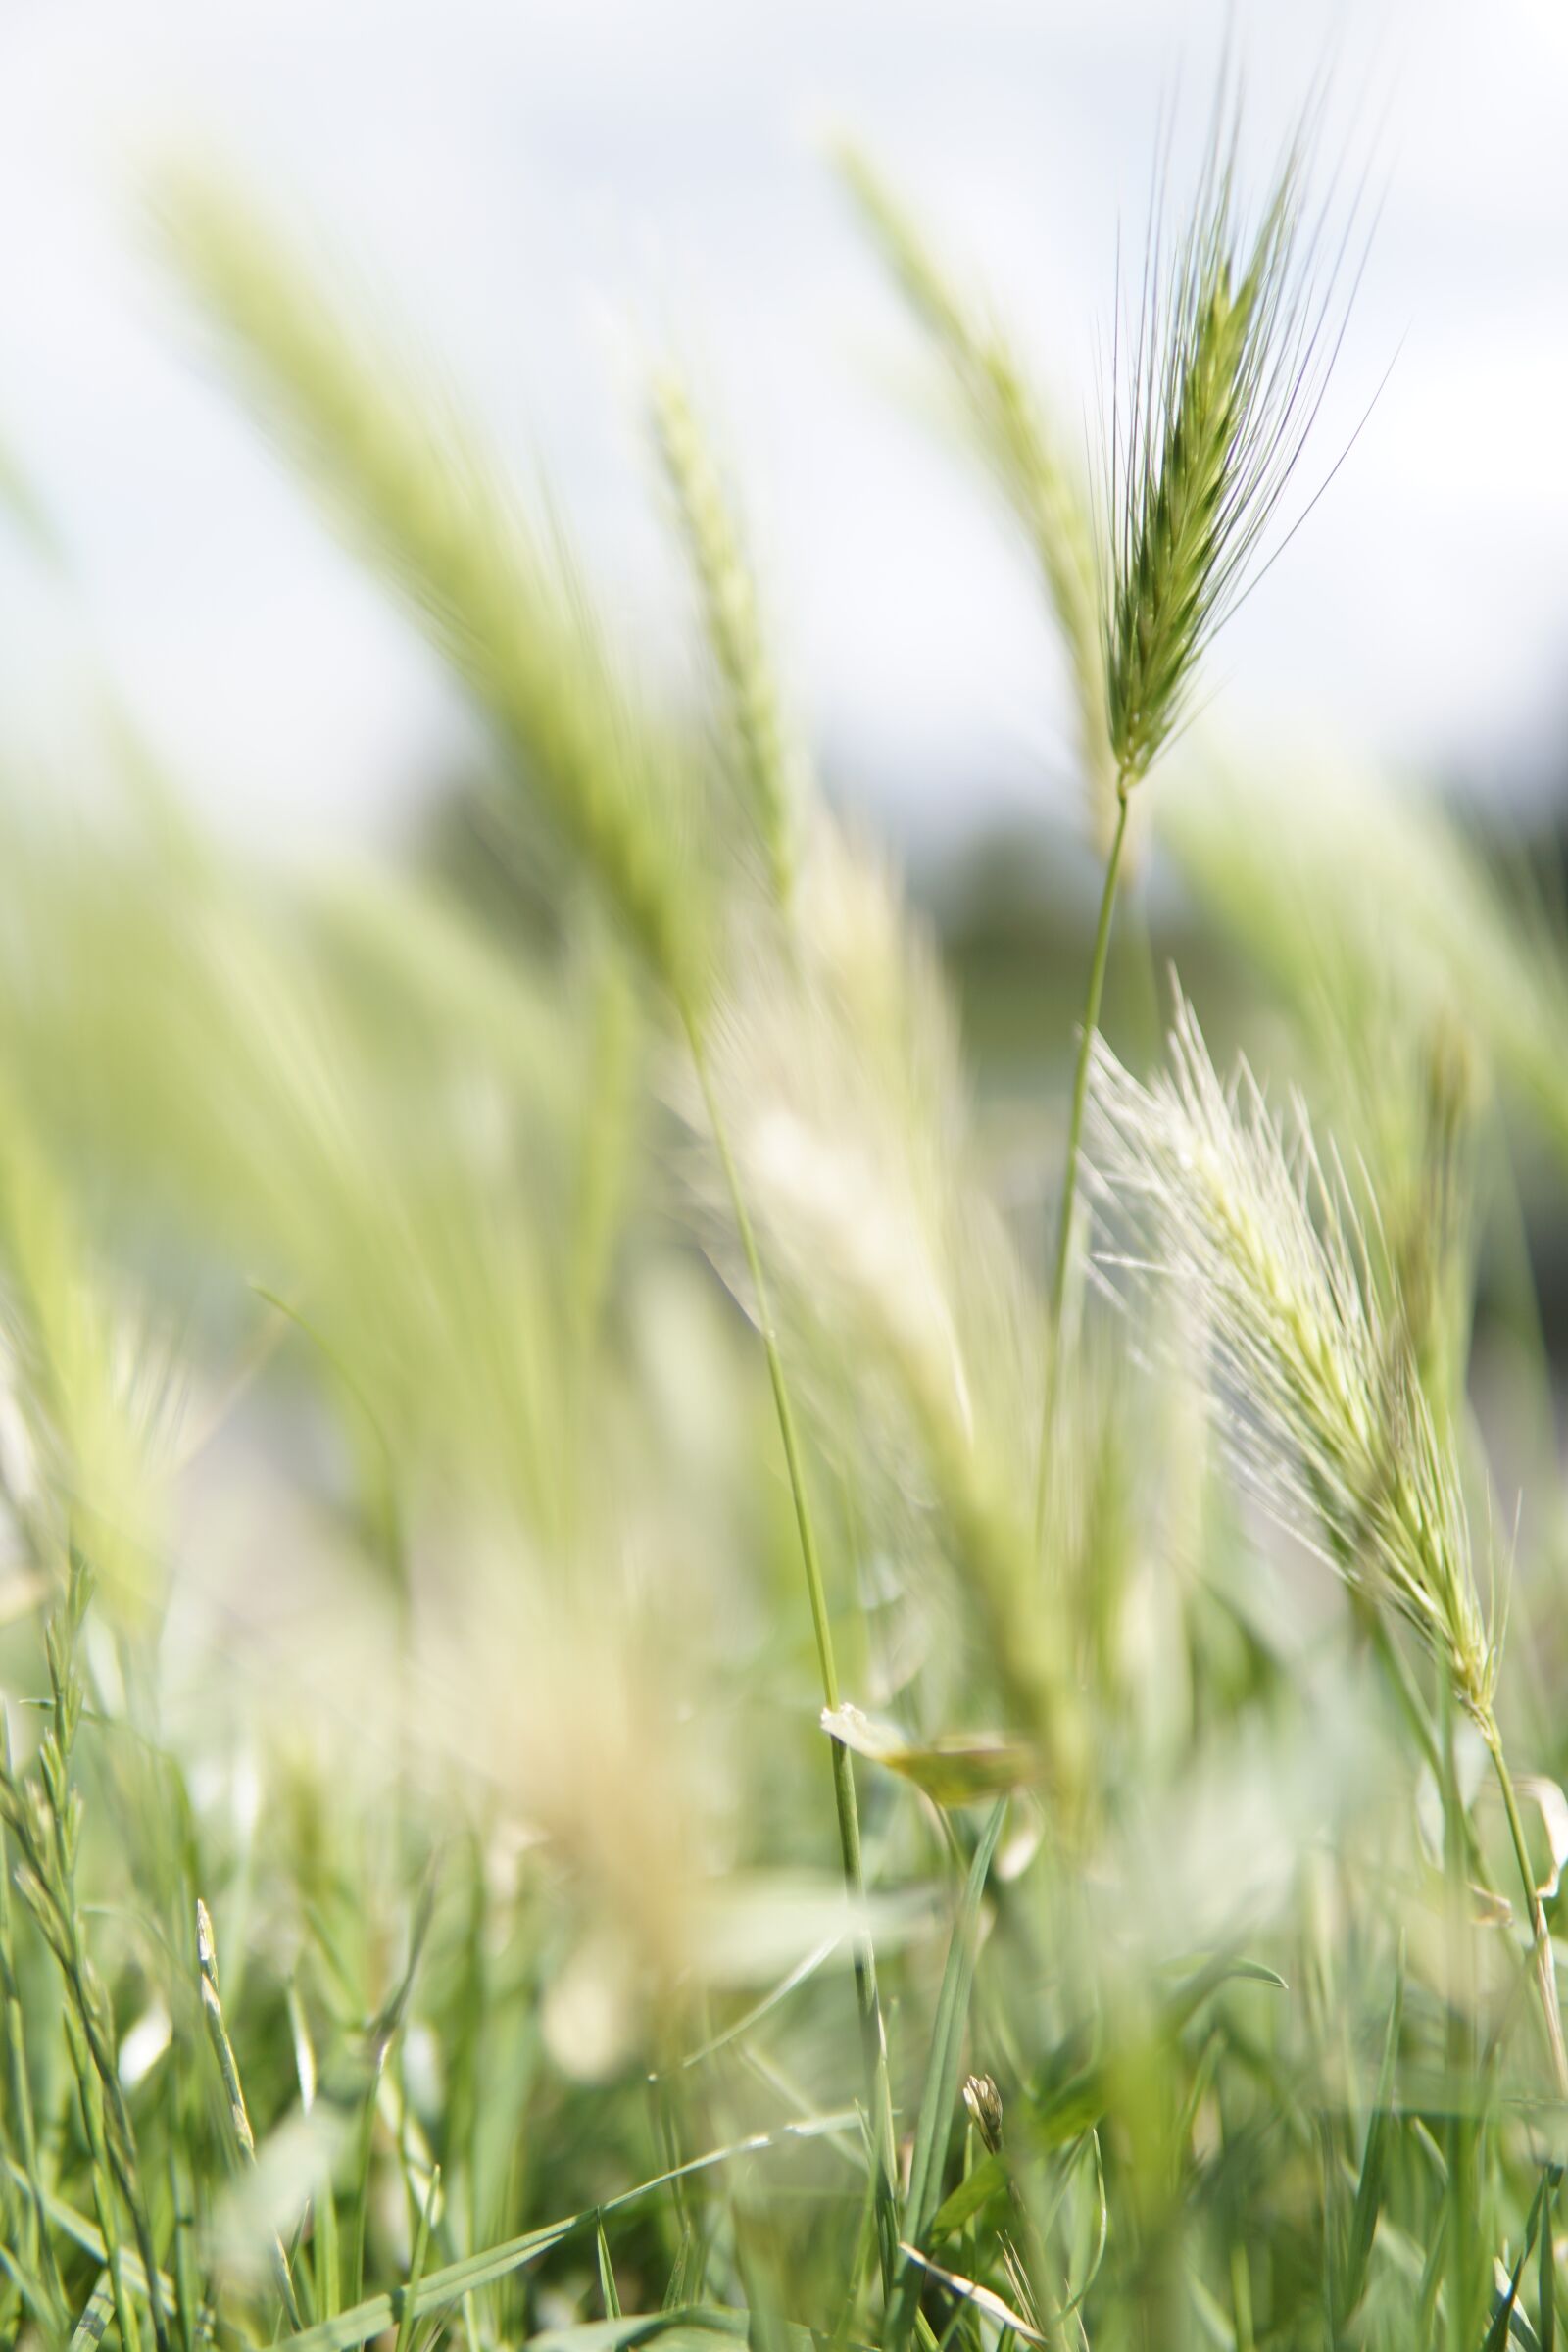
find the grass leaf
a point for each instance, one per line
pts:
(1369, 2189)
(938, 2098)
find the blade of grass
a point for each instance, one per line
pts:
(40, 2253)
(1547, 2305)
(753, 2016)
(114, 2254)
(1465, 2279)
(421, 2245)
(693, 2324)
(86, 2234)
(1541, 1956)
(873, 2035)
(1497, 2335)
(608, 2292)
(988, 2180)
(239, 2117)
(93, 2324)
(940, 2096)
(32, 2295)
(1369, 2188)
(328, 2278)
(182, 2201)
(442, 2287)
(365, 2151)
(967, 2290)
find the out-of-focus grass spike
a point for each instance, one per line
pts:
(1305, 862)
(102, 1427)
(500, 596)
(1020, 445)
(281, 1076)
(604, 1139)
(768, 765)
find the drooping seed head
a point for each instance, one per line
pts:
(1320, 1398)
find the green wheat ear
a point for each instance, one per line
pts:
(1229, 359)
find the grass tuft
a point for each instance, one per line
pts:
(449, 1307)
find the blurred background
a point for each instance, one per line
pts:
(544, 193)
(378, 972)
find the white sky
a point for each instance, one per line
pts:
(549, 187)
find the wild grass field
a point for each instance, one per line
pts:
(663, 1681)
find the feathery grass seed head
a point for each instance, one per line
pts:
(1325, 1408)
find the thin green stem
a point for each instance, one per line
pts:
(817, 1593)
(49, 1851)
(90, 2091)
(1461, 2136)
(1075, 1129)
(1545, 1967)
(872, 2034)
(1080, 1082)
(239, 2116)
(1403, 1685)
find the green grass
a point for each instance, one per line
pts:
(636, 1705)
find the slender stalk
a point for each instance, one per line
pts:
(1080, 1082)
(1461, 2190)
(1545, 1965)
(239, 2116)
(46, 1832)
(107, 2113)
(90, 2091)
(41, 2251)
(115, 2143)
(1075, 1128)
(1403, 1685)
(874, 2037)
